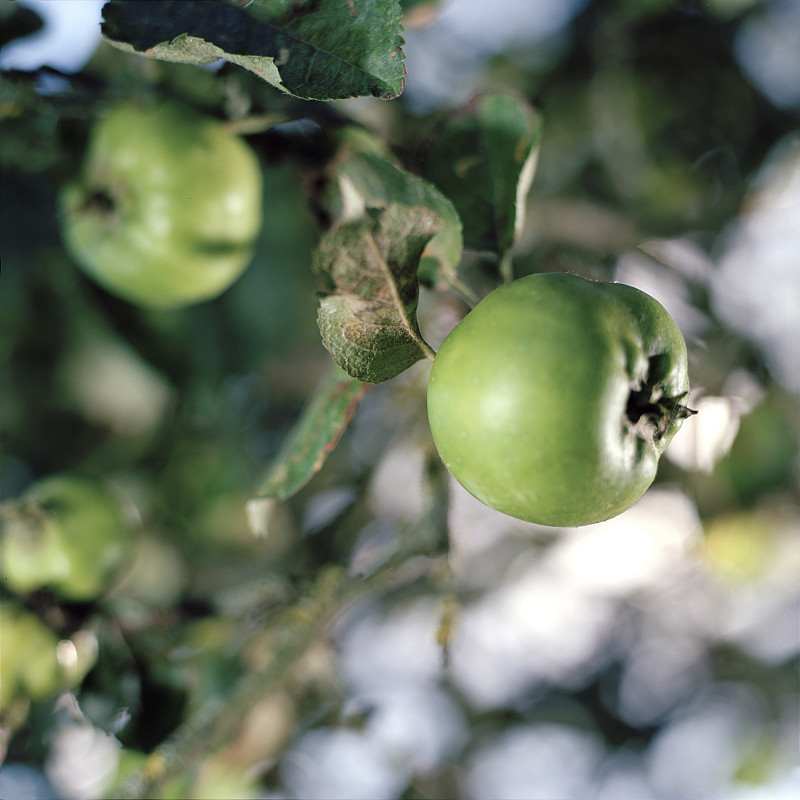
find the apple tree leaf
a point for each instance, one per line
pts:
(368, 310)
(484, 160)
(313, 437)
(312, 49)
(361, 180)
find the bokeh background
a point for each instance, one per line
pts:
(651, 656)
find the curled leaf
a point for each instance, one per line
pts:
(365, 179)
(367, 312)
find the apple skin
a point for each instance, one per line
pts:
(167, 208)
(554, 398)
(67, 534)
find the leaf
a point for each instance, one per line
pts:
(484, 161)
(313, 49)
(314, 436)
(367, 180)
(368, 317)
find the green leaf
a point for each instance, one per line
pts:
(314, 436)
(484, 161)
(313, 49)
(368, 315)
(365, 180)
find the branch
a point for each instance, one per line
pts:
(217, 722)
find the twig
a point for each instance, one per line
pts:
(217, 722)
(506, 267)
(464, 292)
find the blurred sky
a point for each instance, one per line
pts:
(66, 42)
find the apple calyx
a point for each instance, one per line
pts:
(103, 203)
(29, 513)
(650, 412)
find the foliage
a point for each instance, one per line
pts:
(485, 158)
(293, 406)
(321, 51)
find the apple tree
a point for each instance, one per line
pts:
(343, 430)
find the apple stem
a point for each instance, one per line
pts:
(506, 267)
(259, 123)
(463, 291)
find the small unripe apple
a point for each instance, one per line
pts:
(66, 534)
(29, 668)
(167, 207)
(34, 663)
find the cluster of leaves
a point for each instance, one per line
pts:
(392, 231)
(389, 230)
(386, 231)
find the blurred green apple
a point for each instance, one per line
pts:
(29, 667)
(167, 208)
(35, 664)
(67, 534)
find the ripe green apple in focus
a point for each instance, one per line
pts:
(167, 207)
(554, 398)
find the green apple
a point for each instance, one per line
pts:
(66, 534)
(167, 207)
(554, 398)
(35, 663)
(29, 668)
